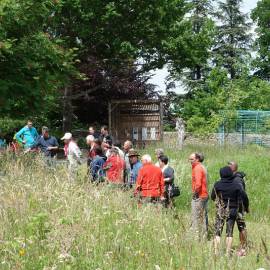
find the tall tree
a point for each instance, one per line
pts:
(261, 15)
(196, 35)
(233, 40)
(33, 64)
(111, 36)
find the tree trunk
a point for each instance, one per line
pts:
(67, 110)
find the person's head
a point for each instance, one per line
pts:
(91, 130)
(226, 172)
(29, 123)
(146, 159)
(114, 152)
(98, 142)
(45, 132)
(159, 152)
(98, 151)
(104, 130)
(163, 161)
(90, 139)
(133, 156)
(196, 157)
(127, 146)
(233, 165)
(67, 137)
(117, 144)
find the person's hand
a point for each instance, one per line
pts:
(195, 196)
(162, 198)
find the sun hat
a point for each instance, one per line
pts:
(67, 136)
(132, 153)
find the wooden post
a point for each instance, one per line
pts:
(161, 120)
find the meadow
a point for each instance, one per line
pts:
(47, 222)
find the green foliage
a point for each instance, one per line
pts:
(202, 110)
(8, 125)
(261, 15)
(232, 39)
(33, 66)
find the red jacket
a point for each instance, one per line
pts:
(150, 181)
(116, 165)
(199, 180)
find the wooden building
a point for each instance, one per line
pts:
(138, 120)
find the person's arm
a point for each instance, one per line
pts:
(168, 175)
(36, 143)
(139, 182)
(55, 145)
(18, 136)
(161, 185)
(214, 193)
(36, 135)
(245, 200)
(198, 181)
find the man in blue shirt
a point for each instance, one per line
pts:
(135, 166)
(96, 167)
(47, 144)
(27, 135)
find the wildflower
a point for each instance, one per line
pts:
(22, 252)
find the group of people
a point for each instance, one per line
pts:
(152, 183)
(230, 199)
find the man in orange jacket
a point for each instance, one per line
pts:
(199, 195)
(150, 182)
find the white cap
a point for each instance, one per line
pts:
(67, 136)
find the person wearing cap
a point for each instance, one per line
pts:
(73, 154)
(228, 196)
(114, 167)
(239, 177)
(135, 166)
(46, 143)
(27, 136)
(150, 182)
(199, 216)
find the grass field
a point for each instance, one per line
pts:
(47, 222)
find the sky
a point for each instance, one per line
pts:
(160, 75)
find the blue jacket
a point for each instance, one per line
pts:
(29, 135)
(134, 172)
(96, 167)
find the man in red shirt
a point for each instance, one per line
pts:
(150, 182)
(199, 195)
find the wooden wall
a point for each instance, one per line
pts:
(137, 120)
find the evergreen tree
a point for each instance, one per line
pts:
(261, 15)
(233, 40)
(197, 37)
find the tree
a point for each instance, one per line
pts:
(232, 44)
(196, 37)
(33, 64)
(113, 36)
(261, 15)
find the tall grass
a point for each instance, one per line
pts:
(46, 222)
